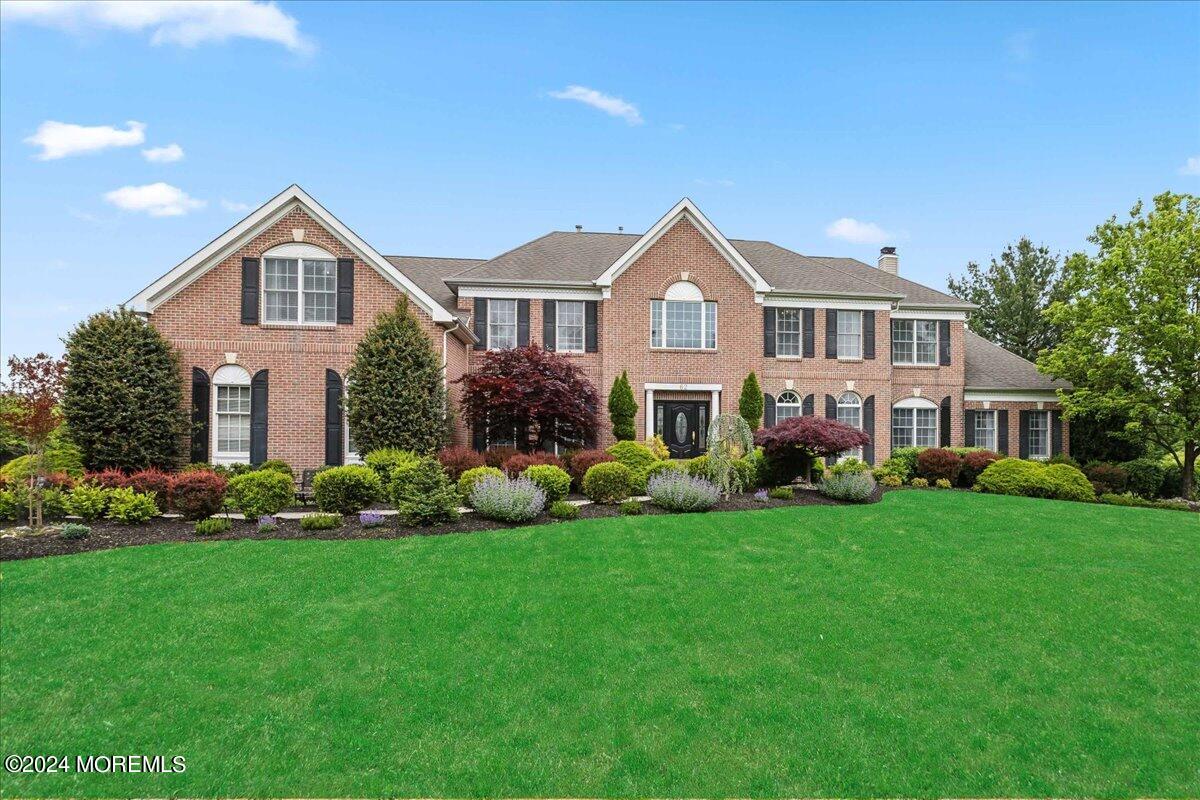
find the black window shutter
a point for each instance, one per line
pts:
(944, 423)
(345, 291)
(591, 337)
(1023, 434)
(249, 291)
(1002, 432)
(808, 318)
(868, 329)
(944, 342)
(969, 428)
(768, 411)
(830, 333)
(258, 417)
(806, 407)
(201, 394)
(334, 451)
(522, 323)
(868, 418)
(830, 407)
(549, 324)
(768, 333)
(1056, 433)
(480, 322)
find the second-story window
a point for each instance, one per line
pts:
(683, 319)
(914, 341)
(569, 325)
(787, 332)
(502, 324)
(300, 290)
(849, 334)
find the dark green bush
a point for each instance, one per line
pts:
(564, 510)
(212, 526)
(320, 522)
(424, 496)
(1145, 476)
(638, 457)
(781, 493)
(73, 530)
(552, 480)
(608, 482)
(346, 490)
(385, 460)
(256, 494)
(622, 409)
(279, 465)
(631, 508)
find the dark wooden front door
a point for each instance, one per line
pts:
(684, 427)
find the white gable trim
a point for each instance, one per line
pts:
(685, 208)
(259, 220)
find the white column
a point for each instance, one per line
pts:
(649, 414)
(716, 402)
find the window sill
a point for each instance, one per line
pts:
(788, 358)
(851, 359)
(903, 365)
(706, 350)
(220, 460)
(299, 325)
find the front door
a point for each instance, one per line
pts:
(683, 427)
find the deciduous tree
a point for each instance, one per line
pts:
(792, 444)
(36, 388)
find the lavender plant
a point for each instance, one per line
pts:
(508, 500)
(370, 519)
(679, 492)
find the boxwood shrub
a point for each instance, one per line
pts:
(424, 495)
(469, 478)
(129, 507)
(1016, 476)
(1145, 476)
(552, 480)
(637, 457)
(608, 482)
(564, 510)
(347, 489)
(261, 492)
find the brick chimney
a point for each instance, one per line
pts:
(888, 260)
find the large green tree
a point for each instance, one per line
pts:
(1012, 293)
(1131, 328)
(396, 388)
(123, 394)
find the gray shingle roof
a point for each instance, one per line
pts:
(431, 273)
(990, 366)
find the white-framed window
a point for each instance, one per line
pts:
(914, 341)
(787, 405)
(299, 286)
(683, 320)
(914, 423)
(788, 332)
(985, 429)
(849, 412)
(569, 326)
(349, 449)
(502, 324)
(231, 415)
(849, 334)
(1039, 434)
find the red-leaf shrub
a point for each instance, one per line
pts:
(791, 445)
(152, 480)
(197, 494)
(496, 456)
(974, 463)
(935, 462)
(1108, 478)
(107, 479)
(537, 391)
(458, 460)
(59, 480)
(514, 466)
(584, 460)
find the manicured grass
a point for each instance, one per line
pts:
(937, 643)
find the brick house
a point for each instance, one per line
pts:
(266, 318)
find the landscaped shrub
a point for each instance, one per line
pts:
(608, 482)
(508, 499)
(1107, 478)
(554, 481)
(425, 496)
(468, 480)
(942, 483)
(658, 447)
(682, 493)
(320, 522)
(637, 457)
(108, 478)
(58, 480)
(622, 409)
(919, 483)
(212, 526)
(855, 487)
(974, 463)
(346, 490)
(564, 510)
(267, 523)
(792, 446)
(60, 456)
(731, 454)
(458, 460)
(1064, 458)
(1145, 476)
(907, 458)
(1134, 501)
(781, 493)
(584, 460)
(661, 467)
(1068, 483)
(385, 460)
(517, 464)
(496, 456)
(258, 493)
(891, 481)
(1172, 483)
(197, 494)
(701, 467)
(73, 530)
(631, 508)
(849, 466)
(129, 507)
(232, 470)
(12, 504)
(152, 481)
(1035, 479)
(88, 502)
(279, 465)
(938, 462)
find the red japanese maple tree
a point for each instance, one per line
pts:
(533, 396)
(36, 385)
(791, 445)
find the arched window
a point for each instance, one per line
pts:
(787, 405)
(299, 285)
(231, 415)
(683, 320)
(914, 423)
(849, 412)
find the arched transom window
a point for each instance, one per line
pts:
(299, 285)
(683, 319)
(849, 412)
(787, 405)
(231, 415)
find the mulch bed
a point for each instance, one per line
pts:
(107, 535)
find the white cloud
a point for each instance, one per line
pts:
(187, 23)
(852, 230)
(1191, 167)
(62, 139)
(163, 155)
(230, 205)
(613, 106)
(156, 199)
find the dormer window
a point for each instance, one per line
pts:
(299, 286)
(683, 319)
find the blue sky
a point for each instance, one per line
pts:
(946, 130)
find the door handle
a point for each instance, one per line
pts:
(693, 437)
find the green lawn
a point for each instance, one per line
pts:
(936, 643)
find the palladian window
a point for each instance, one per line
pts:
(683, 319)
(787, 405)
